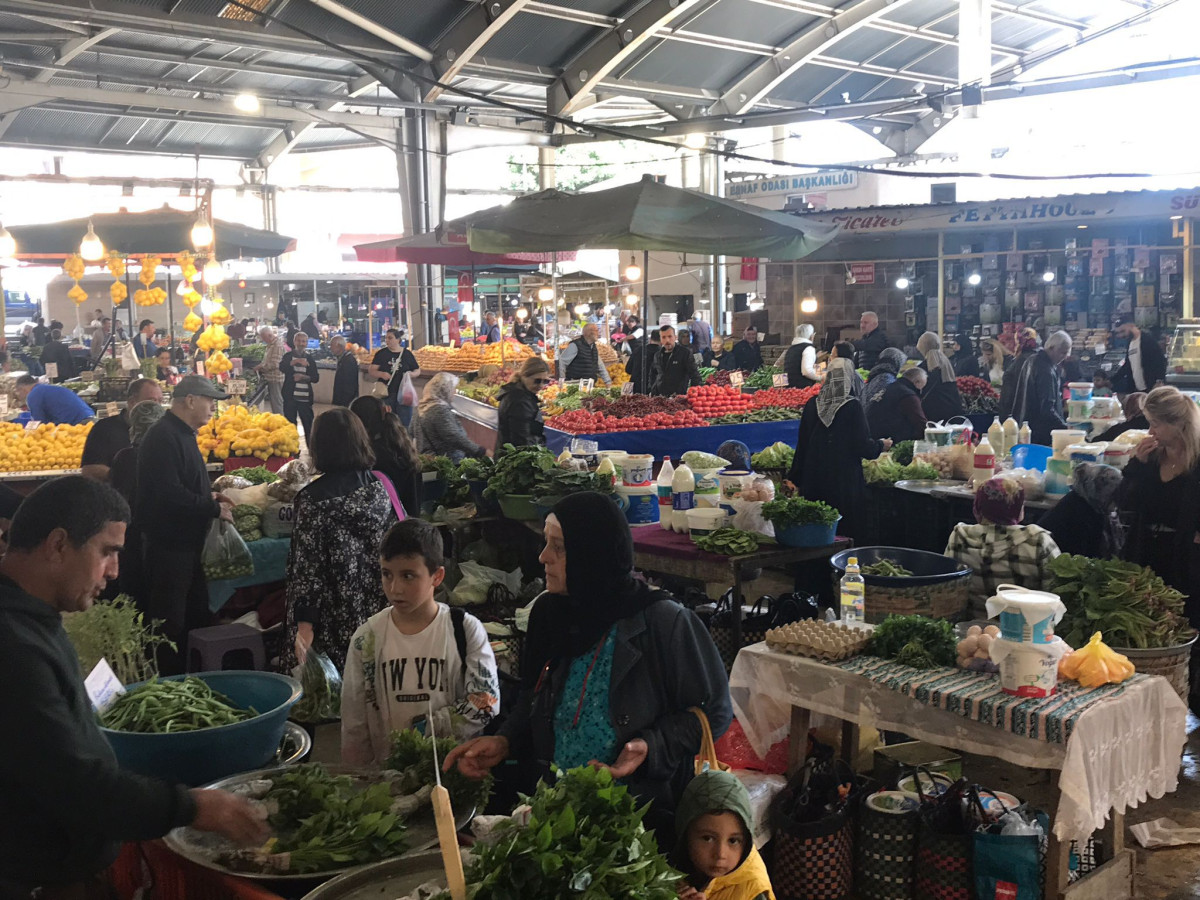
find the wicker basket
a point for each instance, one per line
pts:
(938, 589)
(1171, 663)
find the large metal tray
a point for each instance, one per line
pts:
(387, 880)
(922, 486)
(203, 847)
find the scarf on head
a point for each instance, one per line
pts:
(601, 589)
(1100, 486)
(141, 417)
(999, 501)
(835, 392)
(439, 392)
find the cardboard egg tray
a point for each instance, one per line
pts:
(829, 641)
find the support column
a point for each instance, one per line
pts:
(719, 282)
(270, 210)
(547, 172)
(419, 138)
(1188, 307)
(941, 279)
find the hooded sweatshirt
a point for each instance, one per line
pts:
(710, 792)
(67, 803)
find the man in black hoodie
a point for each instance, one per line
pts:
(674, 366)
(67, 804)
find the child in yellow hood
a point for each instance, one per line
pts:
(714, 844)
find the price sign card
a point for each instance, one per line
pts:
(779, 380)
(627, 389)
(86, 375)
(111, 408)
(736, 378)
(586, 384)
(102, 685)
(236, 386)
(3, 404)
(51, 370)
(200, 367)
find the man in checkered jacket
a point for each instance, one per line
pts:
(1000, 550)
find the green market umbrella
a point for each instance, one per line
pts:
(647, 215)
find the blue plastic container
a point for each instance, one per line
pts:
(807, 535)
(1012, 628)
(199, 757)
(1031, 456)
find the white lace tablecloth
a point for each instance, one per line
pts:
(1123, 749)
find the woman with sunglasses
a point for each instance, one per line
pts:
(520, 415)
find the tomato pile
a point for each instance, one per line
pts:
(787, 398)
(580, 421)
(710, 400)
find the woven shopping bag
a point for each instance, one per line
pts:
(885, 853)
(767, 613)
(707, 758)
(814, 835)
(945, 840)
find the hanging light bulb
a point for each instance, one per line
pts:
(902, 283)
(8, 244)
(545, 293)
(247, 103)
(91, 248)
(522, 314)
(185, 288)
(696, 141)
(633, 272)
(1047, 276)
(202, 233)
(808, 305)
(581, 308)
(974, 279)
(213, 273)
(270, 305)
(632, 299)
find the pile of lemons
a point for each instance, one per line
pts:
(239, 432)
(44, 448)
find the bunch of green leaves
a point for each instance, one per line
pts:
(476, 468)
(786, 512)
(762, 378)
(412, 756)
(116, 631)
(585, 839)
(458, 491)
(327, 822)
(149, 367)
(551, 485)
(935, 636)
(517, 470)
(916, 655)
(257, 475)
(730, 541)
(1131, 605)
(778, 456)
(903, 452)
(252, 355)
(889, 471)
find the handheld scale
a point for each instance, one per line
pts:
(447, 834)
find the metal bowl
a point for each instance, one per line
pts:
(203, 847)
(294, 746)
(387, 879)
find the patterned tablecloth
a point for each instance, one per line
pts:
(1116, 746)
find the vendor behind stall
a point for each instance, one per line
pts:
(110, 435)
(68, 805)
(581, 358)
(610, 668)
(674, 366)
(52, 403)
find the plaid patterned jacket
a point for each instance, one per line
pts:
(1000, 554)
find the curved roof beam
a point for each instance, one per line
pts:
(580, 77)
(466, 38)
(761, 79)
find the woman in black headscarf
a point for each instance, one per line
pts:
(610, 667)
(963, 359)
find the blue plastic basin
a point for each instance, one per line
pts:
(198, 757)
(1031, 456)
(807, 535)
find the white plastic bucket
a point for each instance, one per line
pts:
(637, 469)
(1061, 438)
(1028, 670)
(1081, 390)
(640, 504)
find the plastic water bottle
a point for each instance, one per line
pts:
(1024, 436)
(665, 475)
(1011, 435)
(683, 497)
(853, 590)
(984, 462)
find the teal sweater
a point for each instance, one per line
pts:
(67, 806)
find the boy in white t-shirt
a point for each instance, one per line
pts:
(414, 653)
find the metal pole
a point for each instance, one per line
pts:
(3, 310)
(941, 276)
(554, 307)
(645, 315)
(170, 309)
(1187, 308)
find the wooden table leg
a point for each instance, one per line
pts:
(798, 746)
(1058, 867)
(849, 743)
(1114, 835)
(736, 611)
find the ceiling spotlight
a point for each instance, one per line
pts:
(808, 305)
(974, 279)
(522, 314)
(696, 141)
(91, 248)
(202, 233)
(633, 272)
(1081, 227)
(878, 129)
(902, 283)
(581, 308)
(1048, 276)
(270, 305)
(8, 244)
(247, 103)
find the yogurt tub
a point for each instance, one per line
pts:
(1081, 453)
(1118, 455)
(1061, 438)
(1081, 390)
(1080, 409)
(637, 469)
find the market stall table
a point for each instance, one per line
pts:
(668, 553)
(270, 557)
(1115, 746)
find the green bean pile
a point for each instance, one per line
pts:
(169, 707)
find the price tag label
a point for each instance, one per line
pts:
(236, 386)
(627, 389)
(103, 686)
(111, 408)
(736, 378)
(3, 404)
(86, 375)
(200, 367)
(779, 380)
(586, 385)
(51, 370)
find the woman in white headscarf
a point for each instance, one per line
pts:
(833, 441)
(437, 429)
(800, 361)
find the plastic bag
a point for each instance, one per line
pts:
(734, 748)
(225, 553)
(476, 579)
(747, 515)
(408, 392)
(322, 686)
